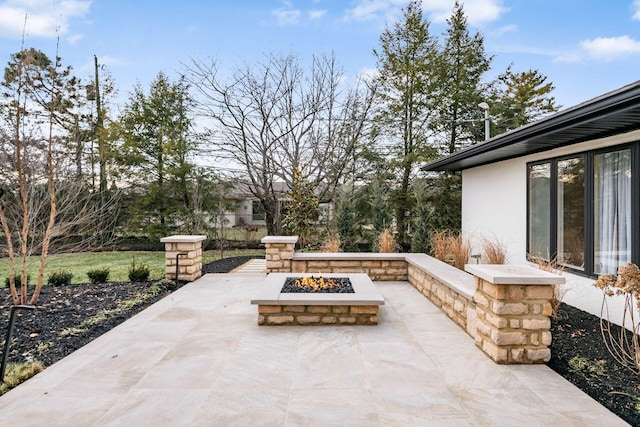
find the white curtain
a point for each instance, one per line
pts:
(612, 211)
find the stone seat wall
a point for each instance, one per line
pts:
(509, 321)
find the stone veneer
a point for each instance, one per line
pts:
(358, 308)
(513, 312)
(279, 251)
(505, 309)
(190, 261)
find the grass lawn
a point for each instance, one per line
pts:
(117, 262)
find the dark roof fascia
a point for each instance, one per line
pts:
(607, 105)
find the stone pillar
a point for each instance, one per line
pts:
(513, 308)
(190, 259)
(279, 251)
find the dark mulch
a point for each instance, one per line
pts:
(38, 335)
(576, 335)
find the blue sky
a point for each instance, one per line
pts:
(585, 47)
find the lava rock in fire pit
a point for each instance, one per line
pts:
(333, 285)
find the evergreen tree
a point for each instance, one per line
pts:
(380, 210)
(422, 222)
(155, 152)
(519, 99)
(302, 210)
(347, 218)
(407, 101)
(462, 64)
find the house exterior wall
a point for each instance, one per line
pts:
(494, 206)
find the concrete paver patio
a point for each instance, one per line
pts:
(198, 358)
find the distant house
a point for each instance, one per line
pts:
(565, 187)
(246, 209)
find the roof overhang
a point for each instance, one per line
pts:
(611, 114)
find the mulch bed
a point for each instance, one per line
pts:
(38, 335)
(579, 354)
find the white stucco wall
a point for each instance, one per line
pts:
(494, 206)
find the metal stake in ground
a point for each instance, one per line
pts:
(7, 341)
(177, 264)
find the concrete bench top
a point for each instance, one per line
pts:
(458, 280)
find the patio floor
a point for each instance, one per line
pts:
(198, 358)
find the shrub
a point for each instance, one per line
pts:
(98, 275)
(138, 273)
(60, 277)
(16, 279)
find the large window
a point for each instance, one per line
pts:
(612, 210)
(583, 209)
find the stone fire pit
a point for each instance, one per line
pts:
(322, 308)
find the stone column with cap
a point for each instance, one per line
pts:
(186, 253)
(279, 252)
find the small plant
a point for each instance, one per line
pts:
(60, 278)
(586, 367)
(138, 273)
(624, 344)
(16, 279)
(386, 242)
(99, 275)
(331, 243)
(494, 251)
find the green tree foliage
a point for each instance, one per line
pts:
(422, 221)
(519, 98)
(348, 221)
(445, 197)
(407, 101)
(461, 67)
(381, 214)
(302, 210)
(155, 153)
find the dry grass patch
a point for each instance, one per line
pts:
(17, 373)
(386, 242)
(451, 248)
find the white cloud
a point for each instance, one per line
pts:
(477, 11)
(602, 49)
(286, 16)
(512, 28)
(75, 38)
(375, 10)
(610, 48)
(636, 10)
(44, 18)
(317, 14)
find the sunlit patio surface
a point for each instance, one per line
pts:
(199, 358)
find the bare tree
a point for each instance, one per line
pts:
(274, 117)
(41, 199)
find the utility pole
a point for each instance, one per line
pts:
(99, 133)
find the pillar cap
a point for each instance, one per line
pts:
(183, 239)
(280, 239)
(505, 274)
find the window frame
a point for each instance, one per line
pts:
(589, 226)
